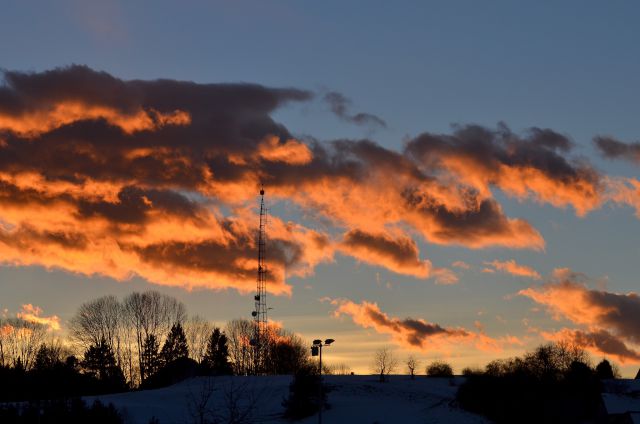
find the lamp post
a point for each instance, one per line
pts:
(316, 350)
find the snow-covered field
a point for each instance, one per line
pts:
(353, 399)
(623, 396)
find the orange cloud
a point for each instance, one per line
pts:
(599, 343)
(624, 191)
(513, 268)
(160, 174)
(573, 301)
(609, 319)
(399, 254)
(530, 166)
(6, 330)
(445, 276)
(412, 333)
(52, 116)
(291, 151)
(33, 314)
(461, 265)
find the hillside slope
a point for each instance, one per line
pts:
(352, 399)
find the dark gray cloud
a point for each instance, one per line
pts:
(615, 149)
(340, 107)
(606, 343)
(488, 149)
(402, 251)
(536, 164)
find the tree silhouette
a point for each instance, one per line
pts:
(412, 364)
(604, 370)
(100, 361)
(47, 357)
(384, 363)
(175, 347)
(150, 358)
(439, 369)
(216, 358)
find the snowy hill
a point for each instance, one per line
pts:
(353, 399)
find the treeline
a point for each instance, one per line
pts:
(554, 383)
(145, 340)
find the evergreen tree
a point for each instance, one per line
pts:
(150, 361)
(175, 347)
(19, 367)
(100, 361)
(216, 359)
(46, 358)
(604, 370)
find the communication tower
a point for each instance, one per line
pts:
(260, 330)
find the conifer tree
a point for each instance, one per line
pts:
(217, 356)
(604, 370)
(175, 347)
(150, 360)
(100, 361)
(46, 358)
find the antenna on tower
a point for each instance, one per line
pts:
(260, 330)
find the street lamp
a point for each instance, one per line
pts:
(316, 350)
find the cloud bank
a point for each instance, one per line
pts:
(159, 179)
(609, 321)
(414, 333)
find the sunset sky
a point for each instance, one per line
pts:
(458, 180)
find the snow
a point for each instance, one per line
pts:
(352, 399)
(621, 396)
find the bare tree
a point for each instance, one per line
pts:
(151, 314)
(287, 352)
(239, 405)
(199, 403)
(384, 363)
(239, 333)
(236, 402)
(198, 331)
(4, 354)
(337, 369)
(105, 318)
(20, 341)
(553, 359)
(412, 365)
(97, 320)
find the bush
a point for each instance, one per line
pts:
(546, 385)
(469, 371)
(607, 371)
(61, 411)
(172, 373)
(439, 369)
(56, 380)
(304, 391)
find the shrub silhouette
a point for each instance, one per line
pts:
(70, 411)
(172, 373)
(552, 384)
(604, 370)
(439, 369)
(469, 371)
(304, 391)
